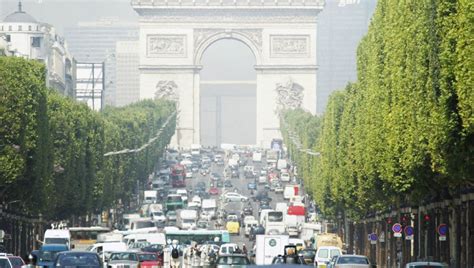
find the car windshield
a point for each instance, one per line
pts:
(47, 255)
(4, 263)
(276, 216)
(55, 240)
(144, 224)
(16, 261)
(352, 260)
(148, 257)
(123, 256)
(77, 260)
(233, 260)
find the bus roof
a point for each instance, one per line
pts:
(92, 228)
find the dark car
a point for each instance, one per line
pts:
(308, 255)
(265, 200)
(251, 186)
(77, 258)
(248, 211)
(232, 260)
(257, 230)
(228, 184)
(261, 195)
(219, 184)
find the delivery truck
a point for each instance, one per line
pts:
(268, 247)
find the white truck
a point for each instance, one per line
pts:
(291, 191)
(293, 224)
(195, 149)
(282, 164)
(57, 236)
(209, 206)
(309, 230)
(268, 247)
(186, 219)
(150, 196)
(257, 157)
(274, 223)
(281, 206)
(272, 156)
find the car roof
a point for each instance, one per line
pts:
(233, 255)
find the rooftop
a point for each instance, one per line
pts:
(20, 16)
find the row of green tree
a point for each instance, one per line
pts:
(52, 147)
(403, 133)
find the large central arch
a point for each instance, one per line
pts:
(281, 34)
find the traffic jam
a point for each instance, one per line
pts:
(226, 207)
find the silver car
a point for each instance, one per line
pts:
(234, 197)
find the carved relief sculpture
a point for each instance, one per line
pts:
(167, 90)
(166, 45)
(289, 95)
(289, 46)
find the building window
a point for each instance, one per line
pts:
(29, 28)
(36, 41)
(37, 27)
(2, 28)
(10, 28)
(8, 38)
(20, 28)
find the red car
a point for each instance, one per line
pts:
(149, 260)
(214, 191)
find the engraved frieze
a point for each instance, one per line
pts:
(166, 45)
(290, 45)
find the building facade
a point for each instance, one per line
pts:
(94, 42)
(281, 34)
(341, 26)
(23, 36)
(127, 75)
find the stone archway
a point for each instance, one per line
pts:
(280, 33)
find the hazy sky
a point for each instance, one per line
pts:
(67, 13)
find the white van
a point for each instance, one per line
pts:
(325, 254)
(128, 218)
(57, 236)
(248, 226)
(152, 238)
(108, 247)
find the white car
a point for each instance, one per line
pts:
(189, 174)
(158, 216)
(279, 189)
(234, 197)
(285, 177)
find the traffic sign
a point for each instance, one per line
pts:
(409, 231)
(442, 229)
(397, 228)
(382, 237)
(373, 238)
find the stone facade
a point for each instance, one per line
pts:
(281, 35)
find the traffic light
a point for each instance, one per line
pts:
(389, 221)
(404, 220)
(426, 221)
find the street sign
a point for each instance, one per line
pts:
(382, 237)
(442, 231)
(397, 230)
(373, 238)
(409, 231)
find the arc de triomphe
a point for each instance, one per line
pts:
(281, 34)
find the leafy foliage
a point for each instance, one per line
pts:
(403, 133)
(52, 148)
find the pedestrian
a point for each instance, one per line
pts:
(175, 255)
(244, 249)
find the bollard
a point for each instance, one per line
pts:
(166, 258)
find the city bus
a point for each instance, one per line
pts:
(83, 237)
(174, 202)
(199, 236)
